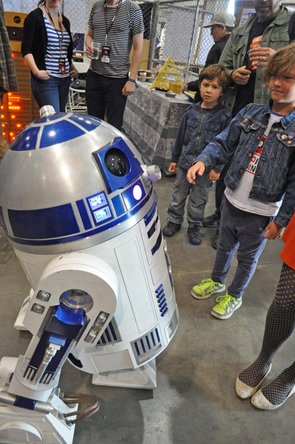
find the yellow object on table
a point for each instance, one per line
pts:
(176, 87)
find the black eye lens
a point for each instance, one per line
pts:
(116, 162)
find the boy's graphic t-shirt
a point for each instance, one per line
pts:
(240, 196)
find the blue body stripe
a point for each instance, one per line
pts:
(157, 244)
(150, 213)
(84, 215)
(87, 233)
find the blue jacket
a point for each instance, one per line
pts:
(197, 129)
(275, 175)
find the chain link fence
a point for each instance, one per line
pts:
(173, 27)
(179, 29)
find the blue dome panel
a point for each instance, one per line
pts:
(59, 132)
(26, 140)
(52, 118)
(87, 122)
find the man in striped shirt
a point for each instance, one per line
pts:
(117, 25)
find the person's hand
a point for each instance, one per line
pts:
(213, 175)
(41, 74)
(241, 75)
(89, 51)
(259, 57)
(272, 231)
(73, 73)
(185, 88)
(172, 167)
(128, 88)
(197, 169)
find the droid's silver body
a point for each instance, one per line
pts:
(78, 206)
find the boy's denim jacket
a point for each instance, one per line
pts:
(275, 175)
(197, 129)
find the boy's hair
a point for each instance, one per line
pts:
(281, 62)
(218, 72)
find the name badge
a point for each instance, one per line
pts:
(105, 54)
(62, 66)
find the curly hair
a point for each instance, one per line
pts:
(281, 62)
(215, 72)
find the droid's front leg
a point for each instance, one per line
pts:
(66, 308)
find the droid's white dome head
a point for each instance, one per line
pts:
(70, 179)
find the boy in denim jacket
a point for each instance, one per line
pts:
(200, 124)
(260, 184)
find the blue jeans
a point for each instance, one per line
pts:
(197, 199)
(239, 232)
(53, 91)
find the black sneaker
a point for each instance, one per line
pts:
(170, 229)
(211, 221)
(215, 239)
(194, 235)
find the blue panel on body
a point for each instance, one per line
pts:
(24, 403)
(150, 214)
(59, 132)
(133, 195)
(44, 223)
(115, 182)
(84, 215)
(86, 234)
(87, 122)
(26, 141)
(118, 205)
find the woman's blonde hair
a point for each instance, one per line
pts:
(281, 62)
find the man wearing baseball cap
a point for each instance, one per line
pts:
(221, 25)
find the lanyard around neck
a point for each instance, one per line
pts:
(51, 19)
(110, 25)
(60, 37)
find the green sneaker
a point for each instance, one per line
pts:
(205, 288)
(225, 306)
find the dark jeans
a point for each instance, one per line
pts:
(239, 232)
(104, 97)
(197, 199)
(219, 188)
(53, 91)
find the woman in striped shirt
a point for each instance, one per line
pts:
(47, 48)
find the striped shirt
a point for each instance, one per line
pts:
(57, 49)
(128, 22)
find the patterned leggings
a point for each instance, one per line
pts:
(280, 324)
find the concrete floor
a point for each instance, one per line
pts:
(195, 401)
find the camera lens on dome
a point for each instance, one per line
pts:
(117, 162)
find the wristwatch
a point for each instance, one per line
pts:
(132, 81)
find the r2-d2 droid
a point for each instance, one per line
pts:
(78, 207)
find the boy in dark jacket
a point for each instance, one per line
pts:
(200, 124)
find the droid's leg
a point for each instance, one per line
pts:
(19, 322)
